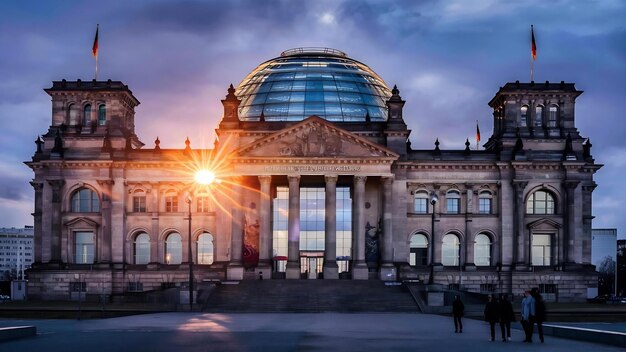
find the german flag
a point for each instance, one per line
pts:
(533, 46)
(477, 133)
(94, 49)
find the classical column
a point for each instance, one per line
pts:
(293, 229)
(118, 215)
(265, 227)
(521, 242)
(235, 267)
(330, 236)
(359, 267)
(55, 245)
(37, 215)
(387, 270)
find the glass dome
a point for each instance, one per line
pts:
(312, 81)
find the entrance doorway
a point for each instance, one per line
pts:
(311, 265)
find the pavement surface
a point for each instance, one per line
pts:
(276, 332)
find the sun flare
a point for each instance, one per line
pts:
(204, 177)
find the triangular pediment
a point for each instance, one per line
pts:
(81, 221)
(544, 224)
(315, 138)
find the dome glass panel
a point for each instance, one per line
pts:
(313, 81)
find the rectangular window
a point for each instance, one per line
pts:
(547, 288)
(421, 205)
(84, 247)
(418, 256)
(453, 206)
(484, 205)
(552, 117)
(139, 204)
(541, 250)
(203, 205)
(135, 286)
(487, 288)
(171, 204)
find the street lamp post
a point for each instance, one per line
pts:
(433, 201)
(190, 256)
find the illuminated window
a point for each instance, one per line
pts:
(205, 248)
(418, 250)
(84, 247)
(538, 116)
(202, 204)
(540, 202)
(450, 250)
(173, 249)
(141, 249)
(541, 250)
(84, 200)
(552, 116)
(523, 121)
(482, 250)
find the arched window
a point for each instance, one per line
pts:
(87, 115)
(173, 249)
(484, 202)
(205, 248)
(450, 250)
(552, 116)
(523, 116)
(540, 202)
(141, 249)
(419, 250)
(72, 114)
(84, 200)
(538, 116)
(453, 202)
(420, 203)
(482, 250)
(102, 115)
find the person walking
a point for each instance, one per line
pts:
(540, 311)
(507, 315)
(457, 312)
(528, 315)
(492, 315)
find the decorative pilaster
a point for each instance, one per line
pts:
(293, 229)
(55, 246)
(104, 250)
(37, 215)
(359, 267)
(387, 270)
(330, 235)
(521, 241)
(265, 227)
(570, 221)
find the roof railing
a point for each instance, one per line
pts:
(313, 50)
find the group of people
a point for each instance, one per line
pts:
(500, 311)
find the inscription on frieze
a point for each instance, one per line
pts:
(312, 168)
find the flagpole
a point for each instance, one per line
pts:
(532, 53)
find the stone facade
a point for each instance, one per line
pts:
(512, 216)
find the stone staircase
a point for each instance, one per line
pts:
(310, 296)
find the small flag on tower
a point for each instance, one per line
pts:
(94, 49)
(533, 46)
(477, 132)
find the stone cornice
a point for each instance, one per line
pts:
(313, 161)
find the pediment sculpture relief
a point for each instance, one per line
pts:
(312, 141)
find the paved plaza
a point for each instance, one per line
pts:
(275, 332)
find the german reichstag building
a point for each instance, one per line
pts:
(313, 177)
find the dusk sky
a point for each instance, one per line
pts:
(448, 58)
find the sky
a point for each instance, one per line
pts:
(447, 57)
